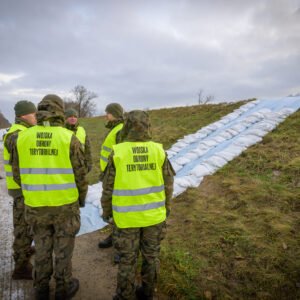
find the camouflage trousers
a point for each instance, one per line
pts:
(58, 239)
(22, 233)
(129, 242)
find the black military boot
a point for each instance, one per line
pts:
(70, 292)
(141, 295)
(30, 251)
(106, 243)
(23, 272)
(42, 293)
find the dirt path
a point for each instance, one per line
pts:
(92, 266)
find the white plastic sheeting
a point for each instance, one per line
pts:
(2, 132)
(205, 151)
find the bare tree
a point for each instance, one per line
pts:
(82, 101)
(209, 98)
(204, 99)
(200, 96)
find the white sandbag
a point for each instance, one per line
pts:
(226, 135)
(201, 135)
(182, 160)
(219, 139)
(177, 189)
(199, 152)
(210, 143)
(170, 153)
(216, 161)
(235, 149)
(240, 127)
(227, 155)
(191, 156)
(287, 111)
(201, 171)
(247, 140)
(176, 166)
(96, 203)
(257, 132)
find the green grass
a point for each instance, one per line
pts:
(241, 226)
(236, 236)
(167, 125)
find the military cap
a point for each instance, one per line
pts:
(115, 109)
(71, 112)
(53, 104)
(137, 125)
(24, 107)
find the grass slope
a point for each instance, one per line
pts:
(237, 235)
(168, 125)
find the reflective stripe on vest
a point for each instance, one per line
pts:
(138, 198)
(137, 192)
(45, 167)
(11, 184)
(81, 135)
(107, 145)
(141, 207)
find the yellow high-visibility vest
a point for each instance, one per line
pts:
(46, 171)
(107, 145)
(11, 184)
(138, 198)
(81, 135)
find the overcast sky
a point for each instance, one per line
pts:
(149, 54)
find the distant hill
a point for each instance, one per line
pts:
(4, 123)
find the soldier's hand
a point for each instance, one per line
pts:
(168, 212)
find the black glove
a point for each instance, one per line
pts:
(106, 218)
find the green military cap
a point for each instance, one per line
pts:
(115, 109)
(71, 112)
(53, 104)
(137, 125)
(24, 107)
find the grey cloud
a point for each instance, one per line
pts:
(149, 54)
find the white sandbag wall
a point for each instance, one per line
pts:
(211, 147)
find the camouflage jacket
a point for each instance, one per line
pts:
(108, 185)
(50, 215)
(87, 147)
(8, 144)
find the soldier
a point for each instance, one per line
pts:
(137, 189)
(73, 125)
(115, 117)
(25, 112)
(49, 162)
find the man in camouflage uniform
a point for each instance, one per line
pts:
(54, 186)
(137, 190)
(25, 112)
(115, 117)
(73, 125)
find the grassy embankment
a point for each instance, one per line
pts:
(237, 235)
(168, 125)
